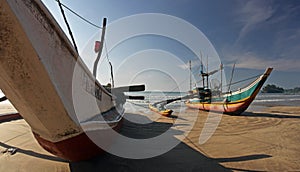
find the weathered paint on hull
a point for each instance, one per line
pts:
(228, 108)
(37, 63)
(79, 147)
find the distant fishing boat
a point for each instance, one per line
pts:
(160, 110)
(37, 63)
(234, 103)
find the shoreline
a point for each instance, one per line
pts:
(264, 139)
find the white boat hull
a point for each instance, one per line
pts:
(37, 64)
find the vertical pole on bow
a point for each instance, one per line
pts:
(100, 48)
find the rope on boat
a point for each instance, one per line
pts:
(111, 67)
(82, 18)
(182, 82)
(165, 102)
(68, 26)
(243, 80)
(89, 22)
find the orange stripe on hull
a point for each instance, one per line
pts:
(166, 112)
(236, 107)
(229, 108)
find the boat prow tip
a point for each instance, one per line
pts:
(268, 70)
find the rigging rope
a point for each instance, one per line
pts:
(82, 18)
(182, 82)
(87, 21)
(243, 80)
(111, 67)
(68, 26)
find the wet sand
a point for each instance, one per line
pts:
(266, 139)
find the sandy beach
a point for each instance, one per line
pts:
(265, 139)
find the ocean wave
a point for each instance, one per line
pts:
(276, 100)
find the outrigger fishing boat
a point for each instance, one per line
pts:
(38, 66)
(203, 98)
(160, 109)
(231, 102)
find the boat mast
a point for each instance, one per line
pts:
(221, 68)
(101, 47)
(232, 72)
(190, 65)
(202, 73)
(207, 71)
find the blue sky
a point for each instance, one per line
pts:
(254, 34)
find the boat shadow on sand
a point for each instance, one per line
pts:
(180, 158)
(273, 114)
(33, 153)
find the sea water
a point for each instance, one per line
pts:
(262, 99)
(278, 99)
(157, 96)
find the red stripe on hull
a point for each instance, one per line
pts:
(77, 148)
(234, 108)
(229, 108)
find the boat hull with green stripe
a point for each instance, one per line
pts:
(233, 103)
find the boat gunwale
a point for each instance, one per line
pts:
(242, 90)
(249, 86)
(62, 35)
(243, 103)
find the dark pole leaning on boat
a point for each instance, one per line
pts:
(67, 24)
(100, 48)
(3, 98)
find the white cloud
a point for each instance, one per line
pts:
(295, 35)
(281, 51)
(287, 43)
(252, 61)
(251, 14)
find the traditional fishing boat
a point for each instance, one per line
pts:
(234, 103)
(160, 107)
(160, 110)
(38, 66)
